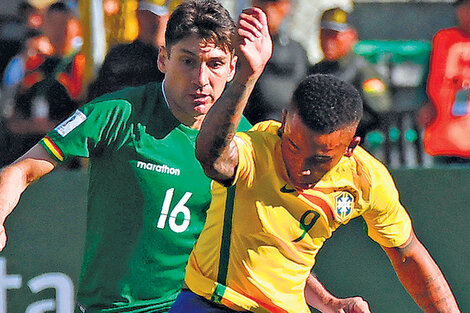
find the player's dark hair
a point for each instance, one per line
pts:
(207, 19)
(325, 103)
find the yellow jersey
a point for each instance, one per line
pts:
(261, 235)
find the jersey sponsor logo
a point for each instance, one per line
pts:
(344, 206)
(71, 123)
(284, 189)
(164, 169)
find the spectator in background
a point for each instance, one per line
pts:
(135, 63)
(31, 15)
(16, 29)
(14, 33)
(337, 40)
(44, 81)
(446, 118)
(287, 66)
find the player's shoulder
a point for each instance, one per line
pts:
(261, 137)
(365, 157)
(266, 127)
(265, 131)
(133, 95)
(367, 165)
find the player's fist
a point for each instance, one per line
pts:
(253, 42)
(352, 305)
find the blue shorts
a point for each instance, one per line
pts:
(189, 302)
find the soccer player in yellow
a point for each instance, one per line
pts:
(281, 190)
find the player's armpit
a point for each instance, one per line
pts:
(421, 276)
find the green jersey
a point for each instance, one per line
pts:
(147, 198)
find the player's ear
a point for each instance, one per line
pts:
(233, 67)
(352, 145)
(283, 122)
(162, 59)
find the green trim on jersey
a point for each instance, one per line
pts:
(226, 234)
(147, 198)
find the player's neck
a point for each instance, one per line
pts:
(197, 122)
(190, 121)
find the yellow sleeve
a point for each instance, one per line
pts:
(247, 157)
(387, 220)
(246, 163)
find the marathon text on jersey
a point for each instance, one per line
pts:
(158, 168)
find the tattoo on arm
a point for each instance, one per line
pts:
(422, 277)
(220, 158)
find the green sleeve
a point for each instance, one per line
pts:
(91, 130)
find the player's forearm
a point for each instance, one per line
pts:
(214, 148)
(422, 278)
(429, 288)
(15, 178)
(12, 184)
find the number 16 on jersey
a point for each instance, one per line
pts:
(180, 208)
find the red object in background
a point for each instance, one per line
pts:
(111, 7)
(35, 20)
(448, 82)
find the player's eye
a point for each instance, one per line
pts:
(319, 160)
(215, 64)
(187, 61)
(293, 147)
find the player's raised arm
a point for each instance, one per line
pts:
(14, 179)
(421, 277)
(215, 149)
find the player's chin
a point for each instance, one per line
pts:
(305, 183)
(202, 109)
(304, 186)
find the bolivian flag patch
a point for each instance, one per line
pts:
(52, 147)
(373, 86)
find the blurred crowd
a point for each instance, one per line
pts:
(44, 75)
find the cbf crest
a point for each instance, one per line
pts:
(344, 206)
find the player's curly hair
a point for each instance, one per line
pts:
(325, 103)
(207, 19)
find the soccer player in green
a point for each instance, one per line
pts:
(148, 195)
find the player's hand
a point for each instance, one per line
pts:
(350, 305)
(253, 43)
